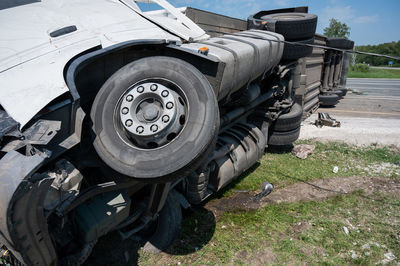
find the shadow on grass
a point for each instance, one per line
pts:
(198, 228)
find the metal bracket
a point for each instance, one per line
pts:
(324, 119)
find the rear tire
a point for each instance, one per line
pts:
(296, 51)
(284, 138)
(328, 99)
(294, 26)
(341, 43)
(338, 93)
(290, 120)
(168, 226)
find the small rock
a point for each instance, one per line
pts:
(346, 230)
(366, 246)
(335, 169)
(353, 254)
(303, 150)
(223, 227)
(389, 257)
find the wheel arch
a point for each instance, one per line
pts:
(86, 74)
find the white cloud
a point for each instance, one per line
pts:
(341, 13)
(366, 19)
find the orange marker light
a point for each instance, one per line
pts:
(204, 50)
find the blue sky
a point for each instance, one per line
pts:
(371, 21)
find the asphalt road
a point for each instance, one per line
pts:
(369, 115)
(370, 98)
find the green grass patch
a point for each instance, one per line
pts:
(283, 168)
(301, 232)
(307, 232)
(376, 73)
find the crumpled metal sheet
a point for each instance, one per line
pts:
(7, 124)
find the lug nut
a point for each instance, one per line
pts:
(129, 98)
(153, 87)
(165, 118)
(125, 110)
(170, 105)
(164, 93)
(140, 89)
(140, 129)
(128, 123)
(154, 128)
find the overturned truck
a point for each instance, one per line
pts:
(113, 119)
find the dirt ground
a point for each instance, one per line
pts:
(305, 191)
(354, 130)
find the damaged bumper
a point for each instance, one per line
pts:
(23, 229)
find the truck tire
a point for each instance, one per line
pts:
(197, 186)
(277, 138)
(341, 43)
(167, 227)
(344, 91)
(290, 120)
(182, 93)
(338, 93)
(328, 99)
(294, 26)
(297, 51)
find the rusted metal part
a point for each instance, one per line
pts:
(324, 119)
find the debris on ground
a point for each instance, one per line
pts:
(266, 189)
(357, 92)
(346, 230)
(303, 150)
(335, 169)
(324, 119)
(389, 257)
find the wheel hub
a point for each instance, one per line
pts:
(151, 114)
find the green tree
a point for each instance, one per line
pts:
(337, 29)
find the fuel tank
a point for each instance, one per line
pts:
(247, 55)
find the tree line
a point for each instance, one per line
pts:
(392, 48)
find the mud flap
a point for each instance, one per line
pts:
(23, 227)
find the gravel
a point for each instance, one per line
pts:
(355, 130)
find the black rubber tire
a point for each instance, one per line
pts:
(277, 138)
(197, 185)
(295, 51)
(338, 93)
(184, 153)
(344, 91)
(328, 99)
(168, 225)
(290, 120)
(294, 26)
(341, 43)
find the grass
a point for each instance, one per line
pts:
(282, 169)
(376, 73)
(302, 232)
(306, 232)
